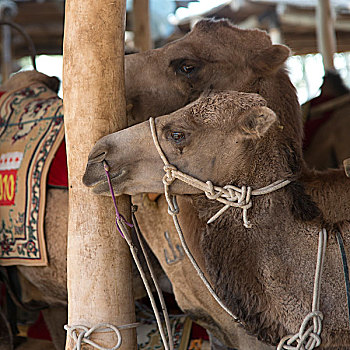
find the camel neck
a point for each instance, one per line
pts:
(323, 185)
(237, 258)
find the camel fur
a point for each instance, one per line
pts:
(265, 274)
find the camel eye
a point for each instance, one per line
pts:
(177, 136)
(187, 68)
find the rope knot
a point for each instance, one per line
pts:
(231, 196)
(308, 337)
(240, 195)
(81, 334)
(211, 194)
(169, 177)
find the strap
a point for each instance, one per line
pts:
(345, 267)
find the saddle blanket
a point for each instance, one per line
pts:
(148, 337)
(31, 130)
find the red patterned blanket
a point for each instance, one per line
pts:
(31, 130)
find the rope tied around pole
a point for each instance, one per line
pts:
(81, 334)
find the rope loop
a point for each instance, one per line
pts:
(308, 337)
(81, 334)
(173, 208)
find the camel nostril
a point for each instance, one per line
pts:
(97, 158)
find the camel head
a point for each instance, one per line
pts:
(214, 138)
(215, 55)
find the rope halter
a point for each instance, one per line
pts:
(229, 195)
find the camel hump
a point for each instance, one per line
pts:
(27, 78)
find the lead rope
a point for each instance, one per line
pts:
(122, 228)
(80, 334)
(309, 338)
(153, 276)
(306, 339)
(173, 213)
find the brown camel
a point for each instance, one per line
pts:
(326, 142)
(215, 55)
(263, 274)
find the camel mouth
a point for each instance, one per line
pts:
(102, 187)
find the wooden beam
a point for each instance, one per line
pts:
(325, 33)
(307, 22)
(141, 24)
(99, 264)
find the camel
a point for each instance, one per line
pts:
(326, 142)
(214, 56)
(264, 273)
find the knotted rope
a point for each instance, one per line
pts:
(309, 336)
(230, 195)
(81, 334)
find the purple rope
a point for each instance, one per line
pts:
(119, 217)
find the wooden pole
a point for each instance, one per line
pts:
(6, 59)
(8, 10)
(99, 264)
(325, 33)
(142, 29)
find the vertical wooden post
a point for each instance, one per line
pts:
(8, 10)
(142, 28)
(6, 60)
(325, 33)
(99, 264)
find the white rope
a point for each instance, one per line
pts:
(81, 334)
(154, 279)
(85, 332)
(195, 265)
(309, 336)
(230, 195)
(167, 345)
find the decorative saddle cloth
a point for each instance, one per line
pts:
(31, 130)
(148, 337)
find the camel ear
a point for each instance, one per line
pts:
(269, 60)
(255, 122)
